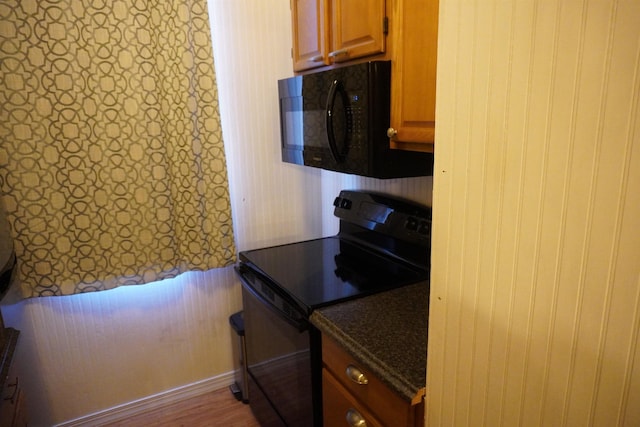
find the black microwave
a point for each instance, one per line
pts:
(338, 120)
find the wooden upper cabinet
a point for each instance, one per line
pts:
(310, 34)
(358, 28)
(413, 75)
(328, 32)
(332, 31)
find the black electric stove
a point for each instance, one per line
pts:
(383, 243)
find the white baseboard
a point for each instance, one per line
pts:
(155, 401)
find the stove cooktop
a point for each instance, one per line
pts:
(324, 271)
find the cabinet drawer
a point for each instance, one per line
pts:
(386, 405)
(340, 408)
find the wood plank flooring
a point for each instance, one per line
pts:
(218, 408)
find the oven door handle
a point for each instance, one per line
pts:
(299, 323)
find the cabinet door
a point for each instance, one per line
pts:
(12, 413)
(358, 28)
(310, 34)
(20, 416)
(385, 405)
(413, 75)
(339, 408)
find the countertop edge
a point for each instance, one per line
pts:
(386, 373)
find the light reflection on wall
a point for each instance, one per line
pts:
(161, 335)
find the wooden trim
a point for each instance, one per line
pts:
(149, 403)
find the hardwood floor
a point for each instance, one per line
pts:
(218, 408)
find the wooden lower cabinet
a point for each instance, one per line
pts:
(12, 402)
(341, 408)
(12, 405)
(352, 395)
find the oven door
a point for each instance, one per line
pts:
(282, 358)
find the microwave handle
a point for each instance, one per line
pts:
(336, 87)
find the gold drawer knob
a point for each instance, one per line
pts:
(354, 419)
(356, 375)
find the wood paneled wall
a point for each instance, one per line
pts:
(535, 294)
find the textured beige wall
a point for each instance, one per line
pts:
(535, 294)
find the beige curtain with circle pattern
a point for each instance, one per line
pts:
(112, 166)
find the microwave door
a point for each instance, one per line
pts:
(338, 121)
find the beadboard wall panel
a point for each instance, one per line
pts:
(535, 295)
(272, 202)
(296, 201)
(83, 354)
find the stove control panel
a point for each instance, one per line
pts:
(421, 226)
(385, 214)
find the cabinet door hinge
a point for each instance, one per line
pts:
(385, 25)
(292, 52)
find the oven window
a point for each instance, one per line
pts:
(278, 359)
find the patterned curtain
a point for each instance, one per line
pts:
(112, 166)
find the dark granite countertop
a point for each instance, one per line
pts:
(387, 333)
